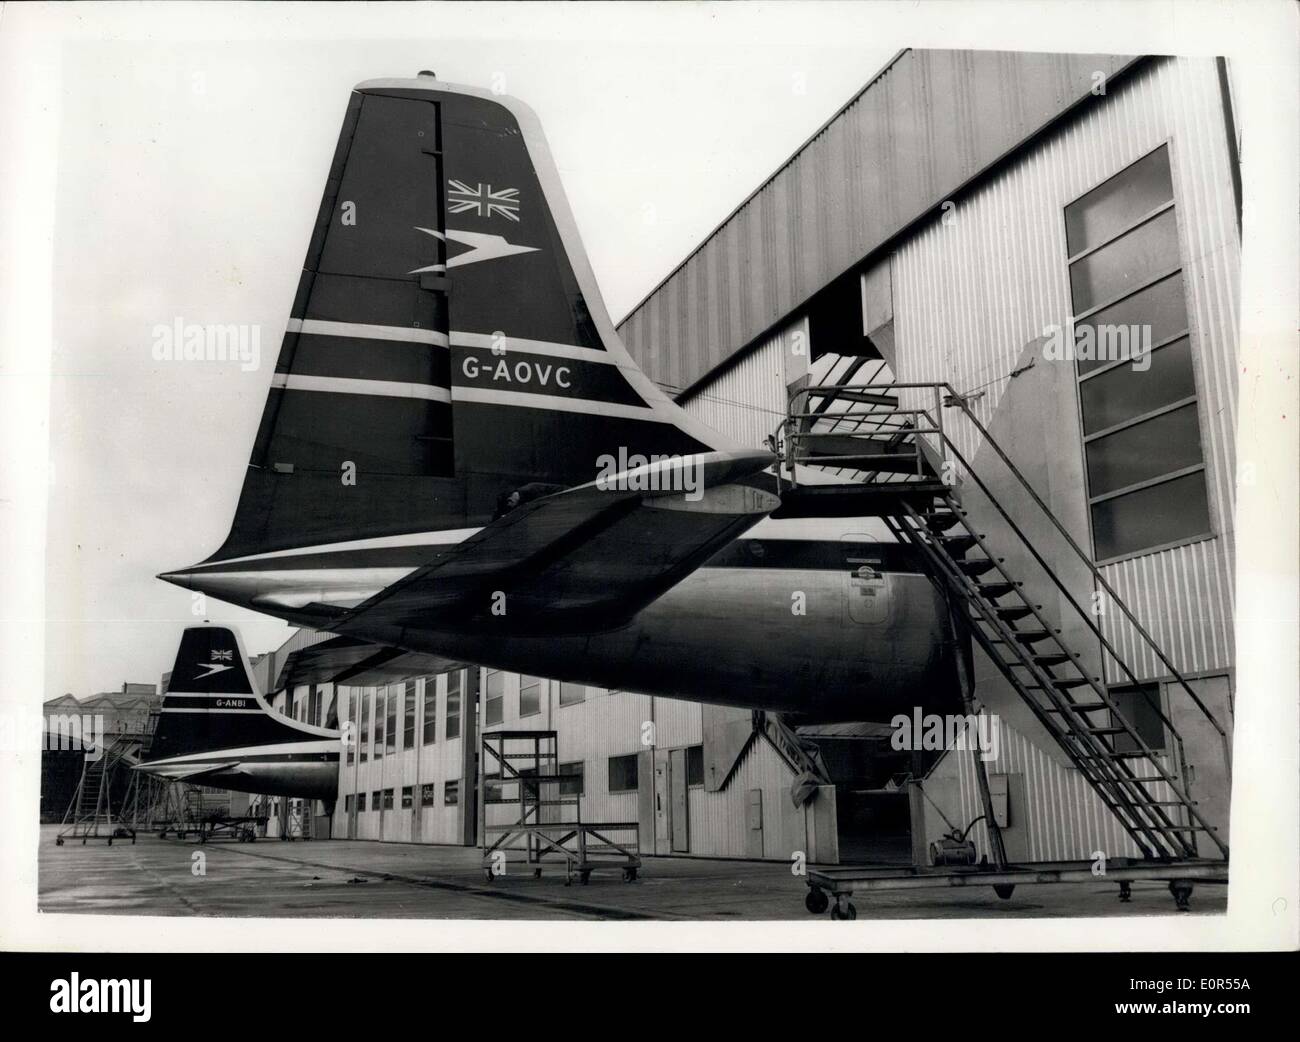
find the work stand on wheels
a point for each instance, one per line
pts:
(530, 814)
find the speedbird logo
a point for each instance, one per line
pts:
(102, 996)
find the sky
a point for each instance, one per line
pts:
(189, 175)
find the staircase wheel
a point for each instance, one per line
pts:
(58, 841)
(584, 877)
(629, 875)
(849, 912)
(1004, 890)
(816, 900)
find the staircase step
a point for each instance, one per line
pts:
(1032, 636)
(1054, 659)
(976, 567)
(1078, 707)
(959, 544)
(992, 591)
(1012, 613)
(940, 520)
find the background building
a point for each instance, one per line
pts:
(940, 227)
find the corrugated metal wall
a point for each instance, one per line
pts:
(1064, 820)
(926, 125)
(747, 400)
(970, 294)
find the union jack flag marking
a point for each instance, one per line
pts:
(482, 200)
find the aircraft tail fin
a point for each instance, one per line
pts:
(212, 703)
(447, 343)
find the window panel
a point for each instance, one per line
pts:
(376, 800)
(430, 710)
(623, 773)
(388, 799)
(381, 702)
(695, 765)
(495, 698)
(1144, 451)
(454, 688)
(1124, 393)
(1165, 513)
(361, 801)
(451, 794)
(428, 794)
(390, 720)
(572, 786)
(1140, 706)
(408, 797)
(1161, 306)
(408, 716)
(1125, 263)
(1116, 203)
(572, 694)
(530, 696)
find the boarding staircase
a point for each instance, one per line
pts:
(884, 448)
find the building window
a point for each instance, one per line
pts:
(572, 784)
(494, 698)
(451, 793)
(390, 720)
(361, 802)
(430, 710)
(408, 797)
(347, 804)
(572, 694)
(1133, 357)
(530, 696)
(428, 794)
(695, 765)
(349, 724)
(455, 684)
(381, 714)
(363, 739)
(388, 799)
(1140, 706)
(376, 800)
(408, 718)
(623, 773)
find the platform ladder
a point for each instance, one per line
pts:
(521, 770)
(899, 463)
(90, 813)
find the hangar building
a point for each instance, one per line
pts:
(962, 218)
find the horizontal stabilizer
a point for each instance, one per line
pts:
(585, 559)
